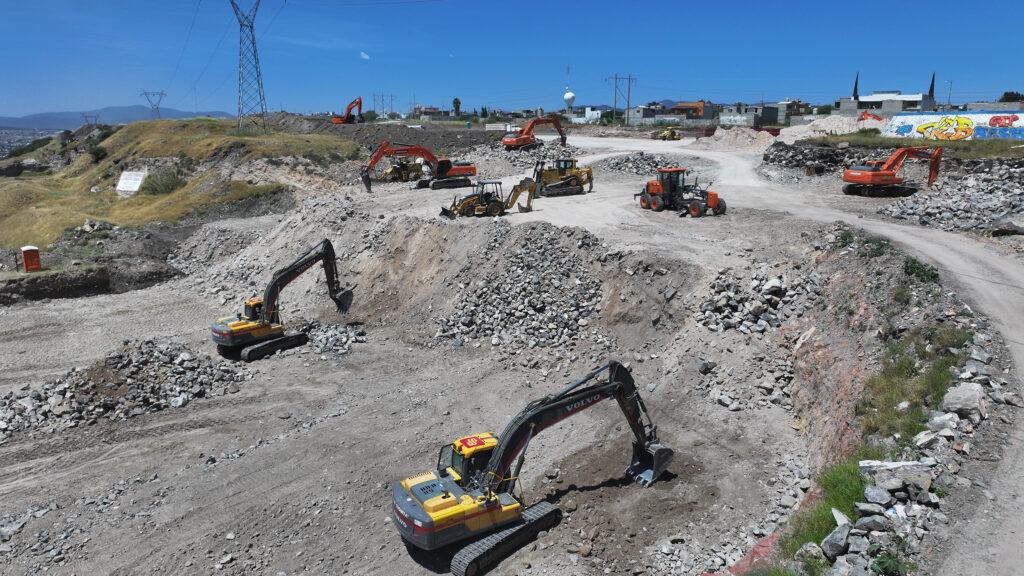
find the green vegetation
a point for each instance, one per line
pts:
(875, 246)
(841, 486)
(845, 238)
(1011, 97)
(36, 208)
(889, 563)
(97, 153)
(916, 269)
(965, 149)
(914, 377)
(162, 181)
(30, 147)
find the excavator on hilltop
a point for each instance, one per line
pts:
(879, 177)
(472, 493)
(258, 332)
(444, 173)
(350, 118)
(524, 137)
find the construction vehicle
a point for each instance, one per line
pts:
(670, 134)
(444, 173)
(564, 179)
(350, 118)
(879, 177)
(258, 332)
(524, 138)
(402, 171)
(487, 199)
(472, 492)
(865, 115)
(671, 191)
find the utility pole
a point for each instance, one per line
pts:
(949, 95)
(251, 102)
(616, 92)
(154, 99)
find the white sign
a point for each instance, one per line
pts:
(129, 183)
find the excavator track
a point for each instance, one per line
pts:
(485, 552)
(449, 183)
(263, 349)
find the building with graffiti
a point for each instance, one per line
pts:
(972, 125)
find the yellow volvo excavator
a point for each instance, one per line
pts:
(471, 494)
(258, 332)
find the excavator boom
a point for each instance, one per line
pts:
(450, 174)
(348, 118)
(882, 177)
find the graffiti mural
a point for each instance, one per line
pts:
(960, 126)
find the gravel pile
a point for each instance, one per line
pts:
(541, 296)
(736, 138)
(140, 377)
(756, 304)
(334, 339)
(636, 163)
(834, 124)
(527, 157)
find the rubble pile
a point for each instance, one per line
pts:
(140, 377)
(990, 198)
(757, 304)
(637, 163)
(541, 296)
(334, 339)
(526, 158)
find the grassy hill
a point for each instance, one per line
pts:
(36, 207)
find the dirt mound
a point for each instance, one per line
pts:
(61, 284)
(834, 124)
(438, 139)
(736, 138)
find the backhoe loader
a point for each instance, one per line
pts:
(471, 494)
(487, 199)
(258, 332)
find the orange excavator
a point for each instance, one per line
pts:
(349, 118)
(865, 115)
(444, 173)
(524, 137)
(878, 177)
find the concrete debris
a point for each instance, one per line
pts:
(637, 163)
(755, 305)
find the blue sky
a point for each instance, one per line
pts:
(317, 55)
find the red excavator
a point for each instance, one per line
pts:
(865, 115)
(349, 118)
(878, 177)
(444, 173)
(524, 138)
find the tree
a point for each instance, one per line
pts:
(370, 115)
(483, 112)
(1012, 97)
(456, 105)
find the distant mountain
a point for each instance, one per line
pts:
(108, 115)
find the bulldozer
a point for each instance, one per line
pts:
(671, 191)
(564, 179)
(472, 496)
(487, 199)
(257, 331)
(670, 134)
(879, 177)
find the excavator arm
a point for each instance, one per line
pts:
(526, 138)
(348, 118)
(650, 457)
(324, 251)
(895, 162)
(386, 149)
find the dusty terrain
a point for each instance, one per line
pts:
(292, 473)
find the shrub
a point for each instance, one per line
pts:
(901, 295)
(98, 153)
(30, 147)
(162, 181)
(841, 486)
(876, 246)
(916, 269)
(845, 239)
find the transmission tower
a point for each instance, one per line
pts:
(91, 118)
(154, 99)
(252, 106)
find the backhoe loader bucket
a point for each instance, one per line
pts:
(524, 208)
(447, 213)
(649, 462)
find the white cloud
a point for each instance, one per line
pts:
(364, 55)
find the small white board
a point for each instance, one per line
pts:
(129, 183)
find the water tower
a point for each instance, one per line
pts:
(569, 98)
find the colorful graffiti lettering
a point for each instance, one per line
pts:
(904, 129)
(1003, 121)
(956, 128)
(1003, 133)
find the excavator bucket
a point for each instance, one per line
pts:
(343, 299)
(366, 181)
(649, 462)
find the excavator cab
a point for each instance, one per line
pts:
(253, 307)
(466, 457)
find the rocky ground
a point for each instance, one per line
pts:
(128, 445)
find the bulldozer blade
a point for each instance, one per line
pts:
(649, 462)
(446, 213)
(366, 182)
(524, 208)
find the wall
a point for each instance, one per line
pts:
(991, 124)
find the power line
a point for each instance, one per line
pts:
(616, 91)
(185, 45)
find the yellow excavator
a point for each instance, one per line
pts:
(257, 331)
(472, 496)
(488, 200)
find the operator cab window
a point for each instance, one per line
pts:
(449, 458)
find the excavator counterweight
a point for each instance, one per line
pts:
(472, 492)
